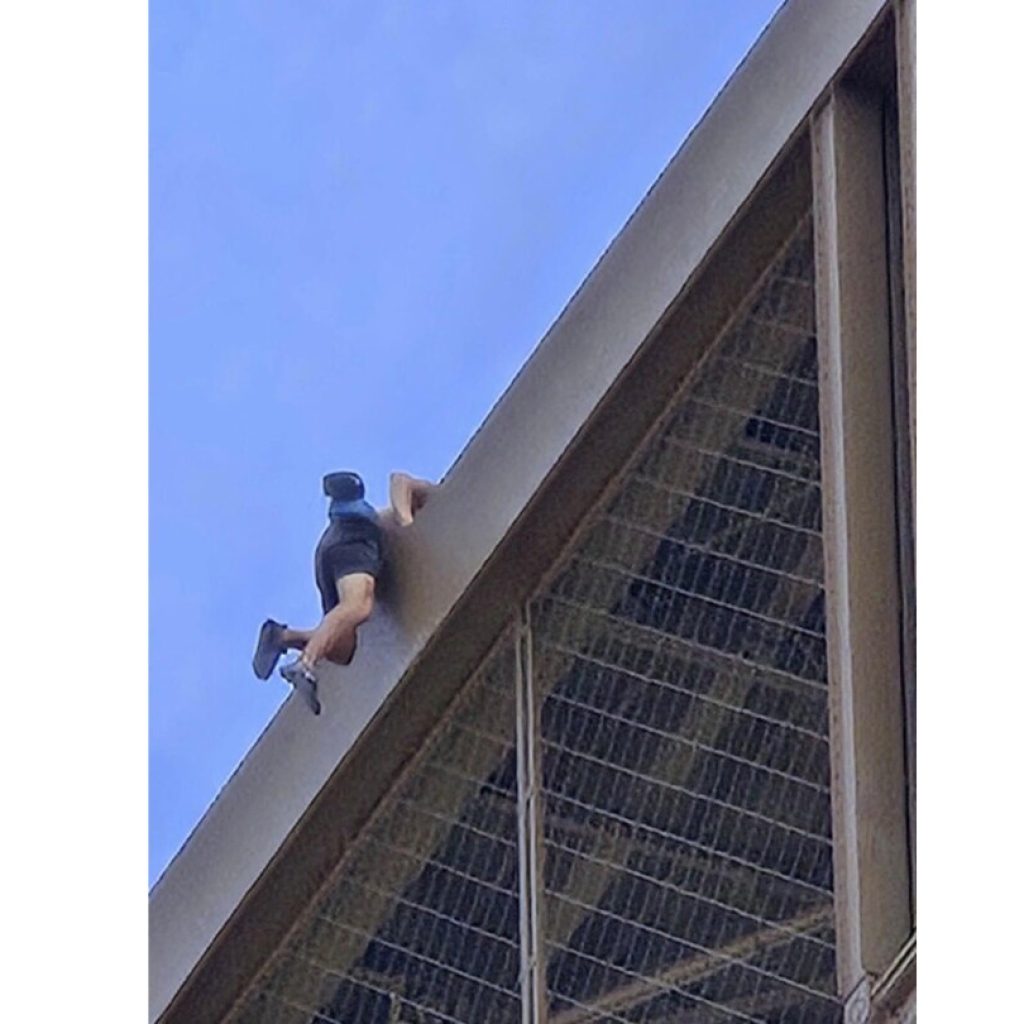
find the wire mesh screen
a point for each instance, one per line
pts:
(680, 656)
(422, 923)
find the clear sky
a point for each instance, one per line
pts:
(363, 217)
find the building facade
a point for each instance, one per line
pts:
(633, 740)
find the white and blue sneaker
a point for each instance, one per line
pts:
(304, 681)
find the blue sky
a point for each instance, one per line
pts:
(363, 217)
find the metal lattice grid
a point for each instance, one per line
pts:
(680, 655)
(421, 924)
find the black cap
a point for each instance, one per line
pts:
(344, 486)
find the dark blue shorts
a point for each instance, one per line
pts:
(347, 546)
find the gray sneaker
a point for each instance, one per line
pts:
(304, 682)
(268, 648)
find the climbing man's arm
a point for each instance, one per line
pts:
(408, 495)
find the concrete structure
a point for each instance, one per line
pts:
(632, 739)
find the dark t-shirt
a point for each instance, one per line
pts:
(350, 544)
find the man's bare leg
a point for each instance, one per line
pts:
(295, 639)
(335, 637)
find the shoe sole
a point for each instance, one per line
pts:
(261, 666)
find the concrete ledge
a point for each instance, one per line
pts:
(274, 833)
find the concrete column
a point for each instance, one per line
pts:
(906, 219)
(906, 88)
(860, 534)
(533, 988)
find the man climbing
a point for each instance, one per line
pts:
(347, 564)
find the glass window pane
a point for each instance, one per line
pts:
(422, 922)
(680, 655)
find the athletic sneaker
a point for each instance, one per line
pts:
(268, 648)
(304, 682)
